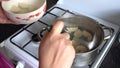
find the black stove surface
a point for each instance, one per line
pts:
(112, 59)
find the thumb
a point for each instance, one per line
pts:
(57, 27)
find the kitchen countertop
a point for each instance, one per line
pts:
(7, 30)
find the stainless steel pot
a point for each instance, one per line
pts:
(95, 28)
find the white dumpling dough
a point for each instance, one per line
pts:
(22, 8)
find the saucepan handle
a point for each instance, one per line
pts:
(108, 29)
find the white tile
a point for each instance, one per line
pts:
(57, 12)
(22, 38)
(48, 19)
(32, 48)
(37, 26)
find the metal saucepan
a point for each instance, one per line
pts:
(94, 28)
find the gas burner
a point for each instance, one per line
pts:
(35, 38)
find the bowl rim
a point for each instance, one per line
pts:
(40, 8)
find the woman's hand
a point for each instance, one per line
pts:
(3, 17)
(56, 50)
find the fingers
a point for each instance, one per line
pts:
(3, 20)
(57, 28)
(6, 21)
(65, 35)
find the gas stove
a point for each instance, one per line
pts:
(22, 47)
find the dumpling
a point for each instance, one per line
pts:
(78, 33)
(81, 49)
(87, 35)
(22, 8)
(71, 29)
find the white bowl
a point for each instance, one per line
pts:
(24, 11)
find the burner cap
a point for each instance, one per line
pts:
(35, 38)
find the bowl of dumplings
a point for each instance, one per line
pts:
(24, 11)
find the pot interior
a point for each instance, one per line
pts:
(84, 25)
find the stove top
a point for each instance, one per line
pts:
(23, 41)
